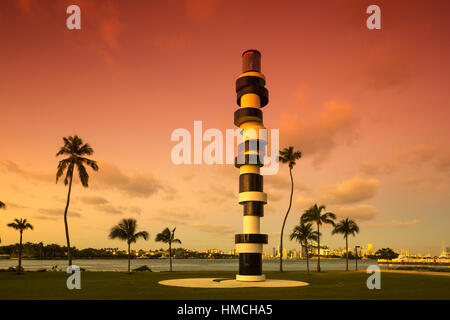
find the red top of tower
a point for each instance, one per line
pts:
(251, 61)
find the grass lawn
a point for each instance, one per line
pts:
(117, 285)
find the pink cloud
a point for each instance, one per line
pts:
(317, 133)
(397, 223)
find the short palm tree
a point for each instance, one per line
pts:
(314, 214)
(346, 227)
(21, 225)
(289, 156)
(168, 236)
(302, 233)
(126, 230)
(75, 149)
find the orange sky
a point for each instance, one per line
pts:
(369, 109)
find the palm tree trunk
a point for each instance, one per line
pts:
(284, 221)
(170, 256)
(69, 256)
(129, 258)
(307, 257)
(318, 247)
(346, 251)
(19, 269)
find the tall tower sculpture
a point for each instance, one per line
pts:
(251, 97)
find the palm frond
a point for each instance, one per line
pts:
(82, 173)
(346, 226)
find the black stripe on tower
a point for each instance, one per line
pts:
(260, 91)
(250, 182)
(252, 145)
(250, 264)
(246, 115)
(254, 208)
(251, 238)
(246, 81)
(244, 159)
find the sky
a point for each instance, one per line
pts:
(368, 109)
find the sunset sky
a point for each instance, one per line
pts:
(369, 109)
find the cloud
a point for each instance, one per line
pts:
(11, 205)
(141, 185)
(93, 200)
(361, 212)
(174, 216)
(397, 223)
(280, 181)
(215, 229)
(420, 181)
(443, 163)
(110, 209)
(274, 195)
(177, 217)
(372, 168)
(218, 194)
(103, 205)
(316, 134)
(418, 154)
(110, 29)
(12, 167)
(28, 6)
(55, 213)
(353, 190)
(387, 69)
(200, 11)
(374, 225)
(346, 192)
(170, 43)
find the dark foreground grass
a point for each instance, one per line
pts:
(117, 285)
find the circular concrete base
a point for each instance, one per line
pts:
(240, 277)
(230, 283)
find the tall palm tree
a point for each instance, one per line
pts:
(126, 230)
(302, 233)
(289, 156)
(75, 149)
(314, 214)
(168, 236)
(21, 225)
(346, 227)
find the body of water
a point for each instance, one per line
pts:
(184, 264)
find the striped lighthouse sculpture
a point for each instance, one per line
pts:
(252, 96)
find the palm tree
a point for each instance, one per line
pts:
(346, 227)
(76, 150)
(314, 214)
(21, 225)
(168, 236)
(302, 233)
(289, 156)
(126, 230)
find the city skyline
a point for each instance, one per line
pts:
(370, 116)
